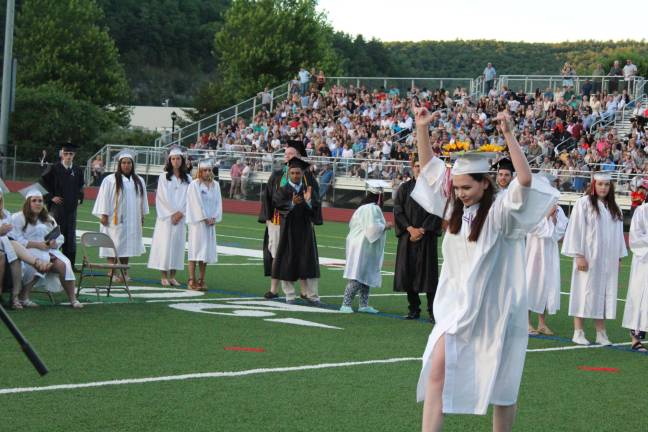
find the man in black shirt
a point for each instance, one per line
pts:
(64, 183)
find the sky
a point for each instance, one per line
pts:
(505, 20)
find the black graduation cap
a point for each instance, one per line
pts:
(69, 147)
(505, 164)
(298, 163)
(297, 145)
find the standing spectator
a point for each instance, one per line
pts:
(595, 240)
(629, 74)
(97, 171)
(587, 88)
(64, 184)
(568, 73)
(235, 175)
(489, 76)
(321, 81)
(266, 99)
(614, 74)
(598, 74)
(245, 177)
(304, 80)
(325, 180)
(121, 206)
(204, 210)
(168, 244)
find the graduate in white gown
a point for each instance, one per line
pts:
(31, 226)
(475, 354)
(169, 237)
(635, 315)
(365, 248)
(121, 206)
(595, 240)
(204, 210)
(543, 268)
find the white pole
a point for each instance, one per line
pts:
(6, 81)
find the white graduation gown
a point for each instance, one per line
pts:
(203, 202)
(543, 264)
(365, 245)
(168, 244)
(635, 315)
(124, 216)
(5, 243)
(600, 240)
(37, 232)
(480, 304)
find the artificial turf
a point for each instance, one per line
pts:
(117, 340)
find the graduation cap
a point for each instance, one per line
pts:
(3, 188)
(297, 145)
(206, 163)
(472, 163)
(33, 190)
(298, 163)
(602, 176)
(505, 164)
(376, 186)
(130, 154)
(69, 147)
(176, 151)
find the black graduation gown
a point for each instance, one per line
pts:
(297, 256)
(268, 209)
(416, 262)
(266, 213)
(67, 184)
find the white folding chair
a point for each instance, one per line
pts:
(97, 240)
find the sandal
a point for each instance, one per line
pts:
(639, 347)
(532, 331)
(16, 305)
(76, 304)
(201, 285)
(545, 331)
(165, 282)
(117, 278)
(192, 285)
(174, 282)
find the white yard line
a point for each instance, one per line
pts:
(574, 347)
(203, 375)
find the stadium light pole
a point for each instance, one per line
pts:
(6, 82)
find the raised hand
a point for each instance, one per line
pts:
(308, 193)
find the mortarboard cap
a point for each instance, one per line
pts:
(206, 163)
(3, 188)
(505, 164)
(69, 147)
(472, 163)
(297, 145)
(33, 190)
(602, 176)
(376, 186)
(176, 151)
(130, 154)
(298, 163)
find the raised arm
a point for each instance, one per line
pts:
(505, 124)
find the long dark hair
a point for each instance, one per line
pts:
(31, 219)
(119, 182)
(609, 202)
(456, 217)
(372, 198)
(184, 170)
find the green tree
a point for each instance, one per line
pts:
(265, 42)
(60, 42)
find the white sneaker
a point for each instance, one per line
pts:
(602, 339)
(579, 338)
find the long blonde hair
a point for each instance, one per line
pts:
(196, 175)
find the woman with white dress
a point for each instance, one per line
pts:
(121, 206)
(475, 354)
(543, 268)
(204, 210)
(169, 237)
(635, 315)
(30, 229)
(595, 240)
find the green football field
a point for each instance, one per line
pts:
(228, 360)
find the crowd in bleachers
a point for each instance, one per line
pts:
(561, 130)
